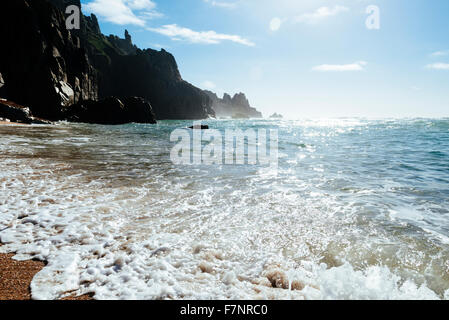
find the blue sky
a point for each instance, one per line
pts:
(303, 58)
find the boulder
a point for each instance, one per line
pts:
(201, 127)
(14, 112)
(111, 111)
(45, 67)
(49, 68)
(107, 111)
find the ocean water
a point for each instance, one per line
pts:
(358, 209)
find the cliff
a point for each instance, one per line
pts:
(43, 65)
(50, 69)
(237, 107)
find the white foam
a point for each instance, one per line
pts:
(166, 232)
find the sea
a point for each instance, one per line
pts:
(353, 209)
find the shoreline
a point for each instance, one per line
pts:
(10, 123)
(16, 277)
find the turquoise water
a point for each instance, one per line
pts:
(358, 209)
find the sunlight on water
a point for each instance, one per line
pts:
(358, 209)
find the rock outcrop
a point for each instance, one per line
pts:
(111, 110)
(2, 87)
(49, 68)
(237, 107)
(16, 113)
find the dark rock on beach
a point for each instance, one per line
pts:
(201, 127)
(49, 68)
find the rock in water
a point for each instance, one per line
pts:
(2, 87)
(201, 127)
(14, 112)
(276, 116)
(138, 110)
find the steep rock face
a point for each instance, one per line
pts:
(2, 87)
(236, 107)
(42, 63)
(125, 70)
(276, 116)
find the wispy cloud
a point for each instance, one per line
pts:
(222, 4)
(438, 66)
(209, 85)
(356, 66)
(320, 14)
(440, 53)
(123, 12)
(177, 33)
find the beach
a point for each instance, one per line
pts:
(16, 277)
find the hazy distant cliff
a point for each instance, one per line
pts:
(48, 68)
(235, 107)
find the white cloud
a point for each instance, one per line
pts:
(209, 85)
(221, 4)
(440, 53)
(438, 66)
(178, 33)
(123, 12)
(320, 14)
(356, 66)
(275, 24)
(141, 4)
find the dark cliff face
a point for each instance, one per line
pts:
(49, 68)
(236, 107)
(125, 70)
(42, 63)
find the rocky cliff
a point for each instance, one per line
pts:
(43, 65)
(50, 69)
(237, 107)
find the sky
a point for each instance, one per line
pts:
(301, 58)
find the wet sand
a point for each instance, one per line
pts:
(16, 276)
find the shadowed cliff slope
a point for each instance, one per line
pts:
(49, 68)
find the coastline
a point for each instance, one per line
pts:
(16, 277)
(7, 123)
